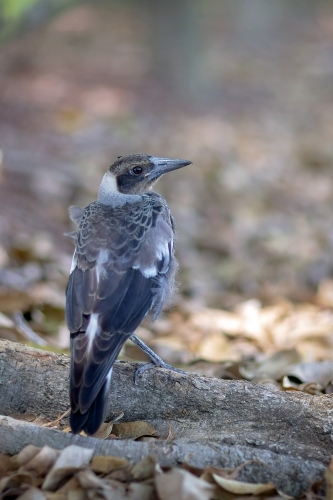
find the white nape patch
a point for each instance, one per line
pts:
(108, 185)
(108, 193)
(103, 257)
(74, 263)
(92, 329)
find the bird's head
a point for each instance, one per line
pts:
(135, 174)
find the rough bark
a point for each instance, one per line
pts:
(213, 422)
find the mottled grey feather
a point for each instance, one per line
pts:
(123, 257)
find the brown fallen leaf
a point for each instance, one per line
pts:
(109, 489)
(325, 293)
(134, 430)
(179, 484)
(241, 488)
(208, 319)
(78, 494)
(66, 429)
(104, 431)
(139, 491)
(16, 481)
(70, 459)
(272, 367)
(26, 454)
(7, 464)
(71, 485)
(88, 480)
(147, 439)
(306, 321)
(124, 475)
(145, 468)
(106, 464)
(58, 477)
(42, 462)
(25, 417)
(215, 347)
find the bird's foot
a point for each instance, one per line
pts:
(156, 361)
(153, 364)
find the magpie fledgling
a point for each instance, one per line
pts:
(123, 268)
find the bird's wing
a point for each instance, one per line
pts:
(119, 258)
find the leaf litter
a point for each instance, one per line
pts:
(73, 473)
(283, 346)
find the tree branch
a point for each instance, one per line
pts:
(214, 422)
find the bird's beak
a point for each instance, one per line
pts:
(164, 165)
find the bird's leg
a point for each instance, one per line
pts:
(155, 360)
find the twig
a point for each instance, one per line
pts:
(25, 330)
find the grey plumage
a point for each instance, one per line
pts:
(123, 268)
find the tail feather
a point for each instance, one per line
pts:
(91, 420)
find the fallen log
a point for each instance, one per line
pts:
(212, 422)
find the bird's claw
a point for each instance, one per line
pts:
(148, 366)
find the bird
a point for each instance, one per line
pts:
(123, 269)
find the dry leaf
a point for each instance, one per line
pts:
(123, 475)
(104, 431)
(134, 430)
(320, 372)
(78, 494)
(325, 293)
(57, 477)
(147, 439)
(66, 429)
(106, 464)
(88, 479)
(32, 494)
(208, 319)
(272, 367)
(25, 417)
(70, 458)
(110, 489)
(6, 464)
(145, 468)
(139, 491)
(179, 484)
(42, 461)
(16, 481)
(241, 488)
(27, 454)
(306, 321)
(215, 347)
(70, 485)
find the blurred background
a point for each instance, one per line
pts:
(243, 89)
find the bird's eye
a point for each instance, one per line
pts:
(137, 170)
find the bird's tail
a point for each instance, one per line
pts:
(91, 420)
(93, 354)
